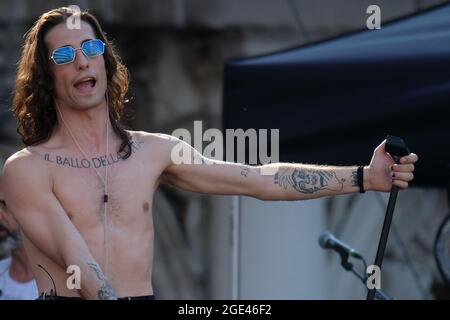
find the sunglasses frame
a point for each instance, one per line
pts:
(75, 50)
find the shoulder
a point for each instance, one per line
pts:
(19, 161)
(24, 166)
(160, 141)
(153, 137)
(23, 159)
(158, 146)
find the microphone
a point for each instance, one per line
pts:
(328, 241)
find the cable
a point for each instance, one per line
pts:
(104, 180)
(365, 265)
(54, 286)
(358, 275)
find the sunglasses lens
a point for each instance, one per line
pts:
(93, 48)
(63, 55)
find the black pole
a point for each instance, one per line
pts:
(384, 235)
(397, 148)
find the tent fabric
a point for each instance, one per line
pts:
(336, 100)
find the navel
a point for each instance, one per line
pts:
(146, 207)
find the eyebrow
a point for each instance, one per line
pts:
(69, 45)
(87, 40)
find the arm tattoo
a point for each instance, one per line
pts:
(245, 172)
(106, 291)
(97, 271)
(354, 178)
(308, 181)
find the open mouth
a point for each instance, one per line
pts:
(85, 85)
(3, 232)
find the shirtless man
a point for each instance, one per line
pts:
(83, 187)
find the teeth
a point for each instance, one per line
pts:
(85, 80)
(85, 83)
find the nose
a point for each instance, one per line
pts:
(81, 60)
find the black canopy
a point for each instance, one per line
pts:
(335, 100)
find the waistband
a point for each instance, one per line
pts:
(42, 296)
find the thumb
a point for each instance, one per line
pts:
(381, 148)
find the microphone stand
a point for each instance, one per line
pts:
(378, 293)
(345, 253)
(397, 148)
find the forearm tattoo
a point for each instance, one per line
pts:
(245, 172)
(308, 181)
(106, 291)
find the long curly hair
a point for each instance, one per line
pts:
(33, 102)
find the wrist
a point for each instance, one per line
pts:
(367, 178)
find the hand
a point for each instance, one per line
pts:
(383, 172)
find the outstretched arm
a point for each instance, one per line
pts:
(286, 181)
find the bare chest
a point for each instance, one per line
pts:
(80, 185)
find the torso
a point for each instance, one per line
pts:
(131, 186)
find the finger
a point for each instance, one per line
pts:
(410, 158)
(404, 176)
(400, 184)
(403, 167)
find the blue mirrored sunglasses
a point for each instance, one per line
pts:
(91, 48)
